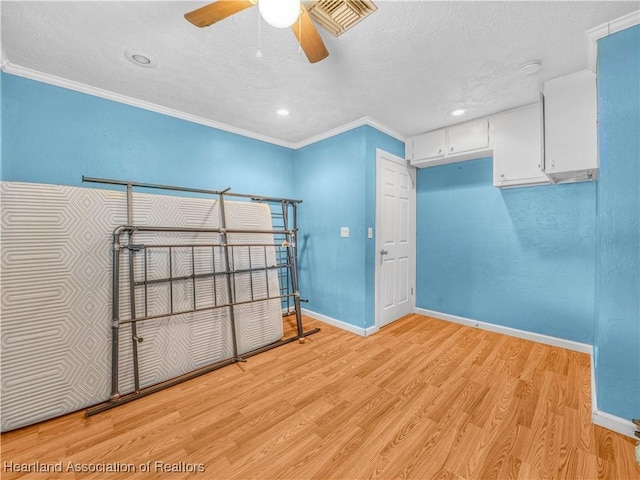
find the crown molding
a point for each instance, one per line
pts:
(31, 74)
(596, 33)
(385, 129)
(13, 69)
(350, 126)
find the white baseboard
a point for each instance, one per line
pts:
(611, 422)
(371, 330)
(600, 418)
(513, 332)
(594, 397)
(364, 332)
(604, 419)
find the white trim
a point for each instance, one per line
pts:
(391, 157)
(31, 74)
(371, 330)
(611, 422)
(330, 133)
(385, 129)
(363, 332)
(594, 397)
(604, 419)
(13, 69)
(350, 126)
(596, 33)
(513, 332)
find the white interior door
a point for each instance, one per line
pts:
(395, 237)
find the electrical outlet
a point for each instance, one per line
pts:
(344, 232)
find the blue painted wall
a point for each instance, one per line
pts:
(617, 332)
(521, 258)
(54, 135)
(330, 178)
(336, 179)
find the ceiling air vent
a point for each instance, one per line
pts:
(338, 16)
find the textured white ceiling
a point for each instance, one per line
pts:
(406, 66)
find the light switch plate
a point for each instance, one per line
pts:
(344, 232)
(370, 232)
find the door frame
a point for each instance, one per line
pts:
(382, 155)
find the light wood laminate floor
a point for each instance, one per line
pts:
(422, 398)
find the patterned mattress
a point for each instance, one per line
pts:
(56, 294)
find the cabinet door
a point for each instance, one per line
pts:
(571, 130)
(517, 153)
(468, 136)
(428, 145)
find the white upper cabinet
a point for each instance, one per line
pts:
(517, 152)
(457, 143)
(468, 136)
(429, 145)
(552, 141)
(571, 128)
(555, 141)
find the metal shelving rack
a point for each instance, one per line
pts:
(284, 232)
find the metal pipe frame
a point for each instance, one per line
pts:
(230, 278)
(289, 277)
(174, 188)
(292, 257)
(134, 328)
(203, 309)
(210, 245)
(212, 274)
(202, 230)
(229, 273)
(115, 315)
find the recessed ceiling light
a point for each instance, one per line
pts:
(530, 68)
(140, 58)
(458, 111)
(283, 112)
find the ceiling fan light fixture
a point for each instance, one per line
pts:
(279, 13)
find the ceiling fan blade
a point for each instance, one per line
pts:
(214, 12)
(309, 38)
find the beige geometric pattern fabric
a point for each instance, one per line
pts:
(56, 294)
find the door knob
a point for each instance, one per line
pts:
(384, 252)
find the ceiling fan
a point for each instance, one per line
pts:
(336, 16)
